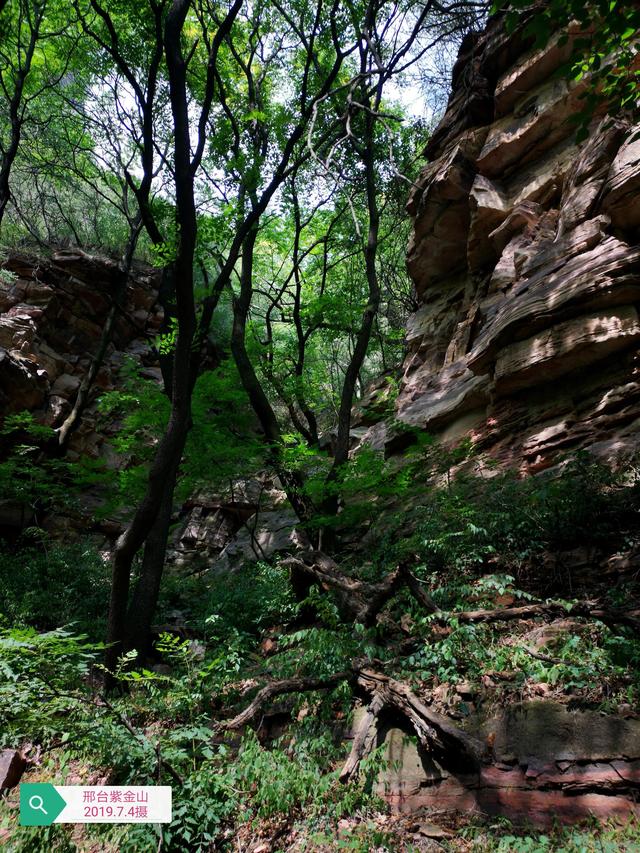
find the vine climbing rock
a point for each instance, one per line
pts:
(525, 255)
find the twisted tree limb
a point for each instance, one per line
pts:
(279, 688)
(435, 732)
(361, 600)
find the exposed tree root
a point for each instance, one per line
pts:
(434, 731)
(365, 738)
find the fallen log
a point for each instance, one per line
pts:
(554, 609)
(361, 600)
(435, 732)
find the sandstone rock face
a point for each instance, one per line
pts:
(525, 256)
(51, 316)
(549, 763)
(52, 312)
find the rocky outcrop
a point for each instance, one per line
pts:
(525, 255)
(52, 311)
(549, 763)
(251, 521)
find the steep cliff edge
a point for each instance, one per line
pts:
(525, 255)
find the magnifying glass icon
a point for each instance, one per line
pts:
(36, 802)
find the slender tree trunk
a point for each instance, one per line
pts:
(363, 337)
(170, 449)
(291, 480)
(301, 339)
(16, 110)
(144, 600)
(82, 398)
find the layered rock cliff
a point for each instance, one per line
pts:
(52, 311)
(525, 255)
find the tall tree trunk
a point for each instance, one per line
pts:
(292, 481)
(145, 595)
(165, 465)
(363, 337)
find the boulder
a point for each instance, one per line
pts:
(622, 188)
(22, 386)
(263, 536)
(66, 386)
(12, 766)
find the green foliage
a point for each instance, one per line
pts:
(592, 654)
(47, 694)
(29, 479)
(37, 672)
(254, 597)
(501, 837)
(511, 520)
(603, 51)
(221, 445)
(53, 584)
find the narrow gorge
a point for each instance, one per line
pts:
(394, 566)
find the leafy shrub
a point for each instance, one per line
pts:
(29, 479)
(54, 584)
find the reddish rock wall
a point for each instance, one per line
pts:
(52, 311)
(549, 763)
(525, 255)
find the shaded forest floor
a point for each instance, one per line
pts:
(528, 589)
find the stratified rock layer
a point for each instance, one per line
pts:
(525, 256)
(548, 763)
(52, 312)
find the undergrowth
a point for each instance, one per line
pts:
(473, 542)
